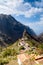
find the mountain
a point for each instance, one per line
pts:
(11, 30)
(40, 37)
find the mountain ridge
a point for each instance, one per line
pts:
(12, 29)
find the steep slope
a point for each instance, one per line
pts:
(11, 30)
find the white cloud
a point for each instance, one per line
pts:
(5, 10)
(36, 26)
(33, 11)
(40, 22)
(9, 6)
(18, 7)
(13, 6)
(39, 4)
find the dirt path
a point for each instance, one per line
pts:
(13, 62)
(27, 62)
(40, 61)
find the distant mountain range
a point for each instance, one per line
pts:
(11, 30)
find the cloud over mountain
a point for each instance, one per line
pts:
(18, 7)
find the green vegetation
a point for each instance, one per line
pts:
(21, 48)
(11, 52)
(7, 55)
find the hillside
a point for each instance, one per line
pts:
(8, 56)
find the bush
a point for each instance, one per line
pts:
(21, 48)
(3, 61)
(40, 49)
(9, 52)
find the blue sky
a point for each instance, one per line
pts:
(28, 12)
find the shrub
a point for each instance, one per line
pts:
(3, 61)
(9, 52)
(21, 48)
